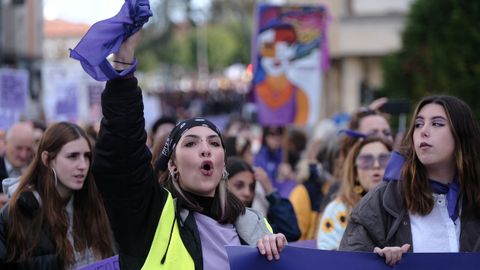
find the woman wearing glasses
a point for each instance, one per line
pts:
(363, 170)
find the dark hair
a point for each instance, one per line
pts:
(237, 165)
(163, 120)
(269, 129)
(237, 146)
(466, 133)
(90, 227)
(226, 207)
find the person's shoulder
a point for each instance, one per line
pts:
(374, 198)
(29, 203)
(336, 205)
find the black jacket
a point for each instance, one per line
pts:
(133, 198)
(3, 172)
(44, 254)
(282, 218)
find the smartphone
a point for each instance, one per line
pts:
(396, 107)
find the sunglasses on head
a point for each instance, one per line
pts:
(367, 161)
(274, 133)
(378, 133)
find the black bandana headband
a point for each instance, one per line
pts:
(176, 134)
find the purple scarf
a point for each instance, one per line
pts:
(393, 172)
(105, 37)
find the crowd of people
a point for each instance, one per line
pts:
(177, 194)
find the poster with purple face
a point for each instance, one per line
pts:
(289, 55)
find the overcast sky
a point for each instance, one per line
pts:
(89, 11)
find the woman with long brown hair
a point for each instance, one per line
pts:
(56, 218)
(435, 205)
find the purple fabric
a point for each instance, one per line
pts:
(452, 192)
(285, 188)
(393, 172)
(109, 263)
(282, 115)
(214, 237)
(105, 37)
(269, 161)
(304, 244)
(352, 133)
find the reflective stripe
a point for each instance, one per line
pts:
(168, 244)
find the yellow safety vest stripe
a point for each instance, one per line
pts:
(167, 250)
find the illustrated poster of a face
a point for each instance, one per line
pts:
(290, 53)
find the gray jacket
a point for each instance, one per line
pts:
(380, 219)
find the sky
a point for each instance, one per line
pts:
(88, 11)
(81, 11)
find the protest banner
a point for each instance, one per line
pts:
(111, 263)
(244, 257)
(14, 85)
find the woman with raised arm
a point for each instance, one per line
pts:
(435, 205)
(193, 216)
(56, 218)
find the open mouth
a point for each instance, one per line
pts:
(206, 168)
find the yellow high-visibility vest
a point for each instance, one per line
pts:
(167, 236)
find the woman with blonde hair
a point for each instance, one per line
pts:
(363, 169)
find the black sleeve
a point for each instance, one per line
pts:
(282, 218)
(3, 235)
(121, 166)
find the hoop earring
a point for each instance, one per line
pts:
(174, 175)
(55, 175)
(224, 175)
(358, 189)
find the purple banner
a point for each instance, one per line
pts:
(243, 257)
(289, 54)
(13, 89)
(66, 104)
(107, 264)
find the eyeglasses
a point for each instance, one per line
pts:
(367, 161)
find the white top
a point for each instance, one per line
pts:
(435, 232)
(81, 259)
(332, 225)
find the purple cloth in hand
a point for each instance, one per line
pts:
(105, 37)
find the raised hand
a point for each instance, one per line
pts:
(126, 53)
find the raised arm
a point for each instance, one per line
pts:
(121, 163)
